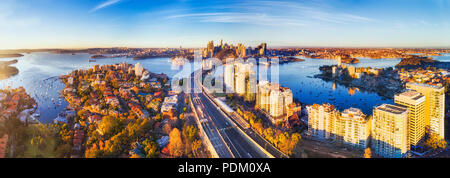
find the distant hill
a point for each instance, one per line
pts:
(350, 60)
(10, 55)
(225, 53)
(417, 61)
(7, 71)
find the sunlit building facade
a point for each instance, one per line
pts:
(229, 76)
(322, 121)
(415, 102)
(274, 100)
(350, 128)
(434, 106)
(353, 128)
(250, 90)
(240, 83)
(276, 103)
(390, 131)
(263, 96)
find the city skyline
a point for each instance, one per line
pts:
(186, 23)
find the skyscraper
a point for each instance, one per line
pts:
(390, 131)
(434, 106)
(415, 102)
(262, 49)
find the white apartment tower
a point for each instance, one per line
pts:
(390, 131)
(415, 102)
(434, 106)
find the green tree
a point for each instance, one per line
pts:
(110, 126)
(41, 142)
(190, 133)
(435, 141)
(150, 148)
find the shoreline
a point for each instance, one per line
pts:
(352, 84)
(7, 71)
(10, 55)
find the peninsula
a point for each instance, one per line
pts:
(7, 71)
(10, 55)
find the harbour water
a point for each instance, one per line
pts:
(39, 75)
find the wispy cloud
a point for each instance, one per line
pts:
(248, 18)
(273, 13)
(105, 4)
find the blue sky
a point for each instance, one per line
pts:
(191, 23)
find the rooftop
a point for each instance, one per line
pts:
(354, 113)
(392, 108)
(411, 95)
(425, 85)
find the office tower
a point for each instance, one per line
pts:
(415, 102)
(262, 49)
(210, 49)
(353, 128)
(434, 106)
(390, 131)
(241, 51)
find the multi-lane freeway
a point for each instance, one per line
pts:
(210, 130)
(225, 137)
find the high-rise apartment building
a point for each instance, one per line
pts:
(322, 120)
(434, 106)
(390, 131)
(138, 69)
(250, 90)
(354, 128)
(273, 99)
(415, 102)
(351, 127)
(288, 96)
(240, 83)
(229, 76)
(263, 96)
(276, 103)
